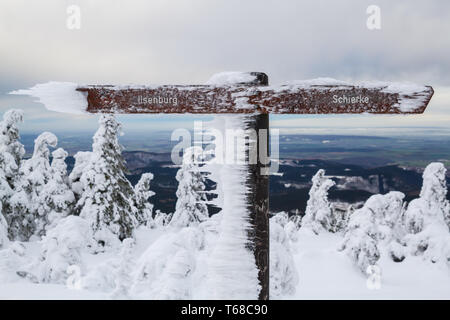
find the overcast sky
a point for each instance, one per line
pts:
(186, 41)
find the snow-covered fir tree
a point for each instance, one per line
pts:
(11, 150)
(56, 198)
(142, 194)
(281, 218)
(296, 218)
(107, 199)
(28, 217)
(3, 232)
(359, 241)
(82, 160)
(427, 233)
(191, 205)
(290, 224)
(374, 229)
(283, 272)
(318, 215)
(447, 219)
(5, 194)
(162, 219)
(11, 153)
(342, 212)
(291, 229)
(62, 247)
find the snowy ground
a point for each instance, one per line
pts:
(14, 287)
(24, 290)
(326, 273)
(159, 260)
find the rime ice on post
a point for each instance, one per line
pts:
(250, 95)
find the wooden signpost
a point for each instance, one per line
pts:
(257, 99)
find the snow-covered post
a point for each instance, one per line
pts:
(258, 198)
(245, 207)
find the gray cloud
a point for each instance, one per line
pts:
(185, 41)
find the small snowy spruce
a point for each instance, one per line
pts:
(3, 232)
(291, 230)
(82, 160)
(107, 199)
(28, 214)
(11, 149)
(289, 224)
(191, 207)
(62, 247)
(428, 234)
(319, 216)
(142, 194)
(56, 198)
(281, 218)
(162, 219)
(283, 272)
(373, 229)
(341, 212)
(11, 153)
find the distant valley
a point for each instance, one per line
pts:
(360, 165)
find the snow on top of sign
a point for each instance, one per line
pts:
(230, 78)
(318, 82)
(405, 88)
(63, 96)
(410, 98)
(57, 96)
(411, 95)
